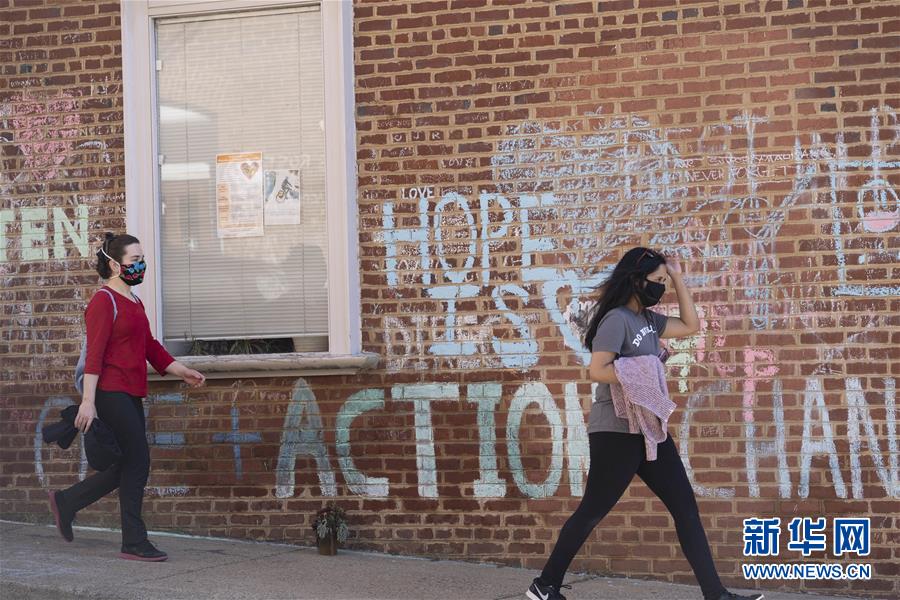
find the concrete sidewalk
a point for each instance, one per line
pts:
(36, 564)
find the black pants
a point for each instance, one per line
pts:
(124, 414)
(615, 458)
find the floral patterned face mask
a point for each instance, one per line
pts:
(133, 274)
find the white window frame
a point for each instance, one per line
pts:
(141, 150)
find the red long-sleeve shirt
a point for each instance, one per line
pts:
(119, 351)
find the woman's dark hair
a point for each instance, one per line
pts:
(617, 290)
(114, 246)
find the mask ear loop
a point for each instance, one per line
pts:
(109, 257)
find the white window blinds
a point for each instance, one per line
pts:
(234, 84)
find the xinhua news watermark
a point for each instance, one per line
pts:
(849, 536)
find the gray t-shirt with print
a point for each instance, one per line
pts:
(627, 334)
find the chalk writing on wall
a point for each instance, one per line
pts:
(303, 435)
(568, 438)
(43, 141)
(610, 185)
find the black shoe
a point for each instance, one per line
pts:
(539, 591)
(144, 551)
(726, 595)
(63, 520)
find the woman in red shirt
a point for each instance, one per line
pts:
(119, 345)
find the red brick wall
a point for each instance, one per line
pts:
(759, 140)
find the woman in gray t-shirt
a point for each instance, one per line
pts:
(621, 324)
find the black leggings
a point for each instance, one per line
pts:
(615, 458)
(124, 414)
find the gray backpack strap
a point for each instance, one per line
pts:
(113, 299)
(79, 368)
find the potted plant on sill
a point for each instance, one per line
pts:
(330, 527)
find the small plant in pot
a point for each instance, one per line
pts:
(331, 528)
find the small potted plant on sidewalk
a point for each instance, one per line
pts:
(331, 529)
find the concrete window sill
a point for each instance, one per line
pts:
(293, 364)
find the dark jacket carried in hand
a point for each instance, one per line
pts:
(100, 443)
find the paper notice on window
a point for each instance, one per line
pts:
(282, 197)
(239, 195)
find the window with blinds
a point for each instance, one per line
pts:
(242, 242)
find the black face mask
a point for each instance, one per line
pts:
(651, 294)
